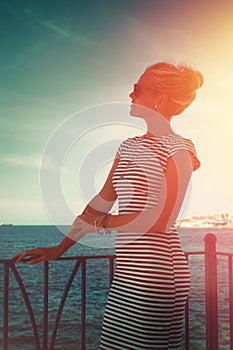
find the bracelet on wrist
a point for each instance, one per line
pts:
(105, 223)
(101, 224)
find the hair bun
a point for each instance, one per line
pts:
(178, 82)
(199, 79)
(192, 80)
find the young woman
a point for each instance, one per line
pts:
(149, 177)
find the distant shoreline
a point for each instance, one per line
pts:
(182, 228)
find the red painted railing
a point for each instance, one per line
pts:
(48, 343)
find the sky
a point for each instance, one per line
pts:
(67, 68)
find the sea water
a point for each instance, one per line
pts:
(14, 239)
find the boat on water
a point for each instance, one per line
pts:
(4, 225)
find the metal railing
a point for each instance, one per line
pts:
(211, 294)
(211, 298)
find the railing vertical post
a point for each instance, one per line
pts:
(211, 292)
(187, 317)
(46, 306)
(187, 325)
(230, 281)
(83, 315)
(111, 269)
(6, 306)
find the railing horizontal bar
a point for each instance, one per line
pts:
(85, 257)
(80, 257)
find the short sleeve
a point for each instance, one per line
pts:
(119, 150)
(184, 144)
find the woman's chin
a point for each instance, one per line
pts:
(133, 111)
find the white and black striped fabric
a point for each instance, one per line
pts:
(147, 297)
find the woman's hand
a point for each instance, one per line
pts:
(34, 256)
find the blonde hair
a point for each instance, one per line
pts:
(178, 82)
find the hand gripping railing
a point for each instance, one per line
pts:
(211, 298)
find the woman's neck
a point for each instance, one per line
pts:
(157, 125)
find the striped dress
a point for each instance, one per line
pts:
(151, 283)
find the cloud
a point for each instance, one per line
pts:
(49, 24)
(19, 203)
(66, 33)
(24, 125)
(31, 161)
(52, 25)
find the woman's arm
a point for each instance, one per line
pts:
(99, 205)
(107, 196)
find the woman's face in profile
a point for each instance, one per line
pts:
(142, 95)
